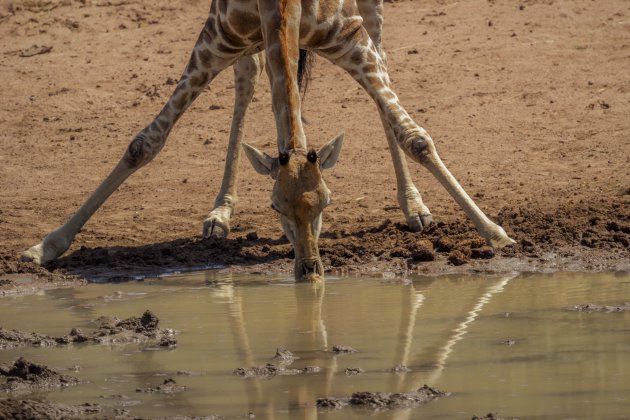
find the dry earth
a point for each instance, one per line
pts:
(528, 101)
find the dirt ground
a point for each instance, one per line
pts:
(528, 102)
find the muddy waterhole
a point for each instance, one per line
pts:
(517, 345)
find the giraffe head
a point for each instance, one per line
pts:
(299, 196)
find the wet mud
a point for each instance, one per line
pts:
(24, 377)
(341, 349)
(591, 307)
(382, 400)
(109, 330)
(43, 409)
(283, 358)
(141, 329)
(169, 386)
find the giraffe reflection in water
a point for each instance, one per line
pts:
(419, 352)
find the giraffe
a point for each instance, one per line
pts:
(269, 34)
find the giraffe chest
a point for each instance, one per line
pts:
(322, 24)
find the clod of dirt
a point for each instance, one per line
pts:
(591, 307)
(400, 369)
(444, 244)
(42, 409)
(331, 403)
(188, 373)
(483, 253)
(35, 50)
(267, 371)
(422, 251)
(14, 339)
(382, 400)
(344, 349)
(353, 371)
(457, 258)
(131, 330)
(270, 370)
(169, 386)
(284, 356)
(489, 416)
(25, 377)
(110, 331)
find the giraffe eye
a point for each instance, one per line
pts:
(312, 156)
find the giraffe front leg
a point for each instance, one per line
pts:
(202, 68)
(364, 64)
(247, 71)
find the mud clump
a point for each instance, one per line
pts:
(284, 356)
(10, 339)
(400, 369)
(110, 330)
(590, 307)
(132, 330)
(42, 409)
(25, 377)
(489, 416)
(353, 371)
(457, 258)
(383, 401)
(169, 386)
(270, 370)
(343, 349)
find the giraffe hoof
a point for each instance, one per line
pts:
(499, 239)
(217, 224)
(54, 245)
(33, 254)
(213, 227)
(419, 222)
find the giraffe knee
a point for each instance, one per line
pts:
(142, 149)
(419, 146)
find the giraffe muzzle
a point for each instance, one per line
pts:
(309, 269)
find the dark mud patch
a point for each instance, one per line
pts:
(42, 409)
(591, 307)
(169, 386)
(27, 377)
(382, 400)
(110, 330)
(577, 238)
(17, 277)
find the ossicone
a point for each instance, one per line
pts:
(283, 158)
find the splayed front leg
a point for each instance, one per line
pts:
(420, 147)
(364, 63)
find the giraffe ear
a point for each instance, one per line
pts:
(329, 153)
(261, 161)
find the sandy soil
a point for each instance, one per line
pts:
(528, 101)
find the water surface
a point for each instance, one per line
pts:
(499, 344)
